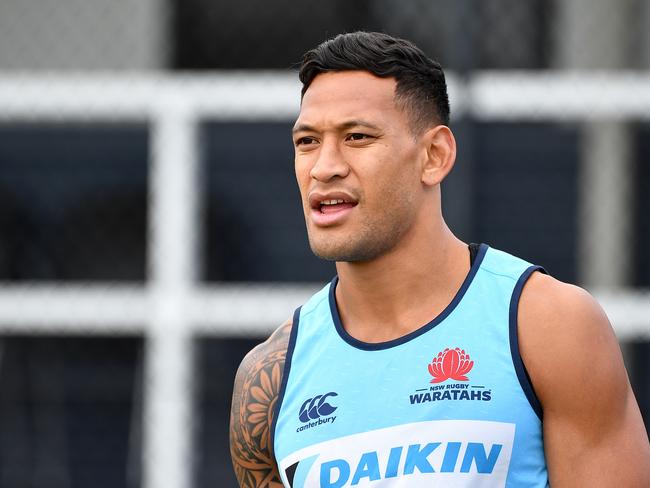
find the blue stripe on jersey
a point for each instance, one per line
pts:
(522, 374)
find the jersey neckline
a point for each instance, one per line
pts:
(374, 346)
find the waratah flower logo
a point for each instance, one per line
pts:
(450, 364)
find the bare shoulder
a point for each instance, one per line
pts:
(552, 298)
(591, 417)
(255, 394)
(562, 328)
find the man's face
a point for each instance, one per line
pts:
(357, 163)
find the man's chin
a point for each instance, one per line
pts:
(341, 253)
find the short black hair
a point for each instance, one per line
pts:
(421, 89)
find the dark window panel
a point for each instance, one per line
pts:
(73, 202)
(461, 35)
(70, 412)
(641, 240)
(513, 34)
(525, 192)
(254, 223)
(217, 361)
(257, 34)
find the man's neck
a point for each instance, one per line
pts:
(402, 290)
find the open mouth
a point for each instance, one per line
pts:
(331, 208)
(336, 205)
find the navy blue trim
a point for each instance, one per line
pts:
(520, 367)
(374, 346)
(285, 374)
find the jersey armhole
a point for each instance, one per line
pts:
(285, 375)
(522, 374)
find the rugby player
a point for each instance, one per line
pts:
(426, 361)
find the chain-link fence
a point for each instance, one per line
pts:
(150, 228)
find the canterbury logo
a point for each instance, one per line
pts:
(450, 364)
(317, 407)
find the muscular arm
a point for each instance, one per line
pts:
(255, 395)
(593, 432)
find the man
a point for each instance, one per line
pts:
(515, 379)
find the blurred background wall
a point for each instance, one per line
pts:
(150, 227)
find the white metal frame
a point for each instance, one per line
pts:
(172, 306)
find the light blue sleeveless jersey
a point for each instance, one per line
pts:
(449, 405)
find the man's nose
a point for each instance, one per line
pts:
(330, 163)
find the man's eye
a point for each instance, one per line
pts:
(356, 136)
(304, 141)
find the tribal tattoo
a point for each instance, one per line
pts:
(255, 396)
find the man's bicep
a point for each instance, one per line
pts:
(612, 451)
(591, 419)
(255, 394)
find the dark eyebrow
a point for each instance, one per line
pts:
(342, 126)
(357, 123)
(301, 128)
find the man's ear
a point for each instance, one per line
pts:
(440, 154)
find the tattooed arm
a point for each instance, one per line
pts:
(255, 395)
